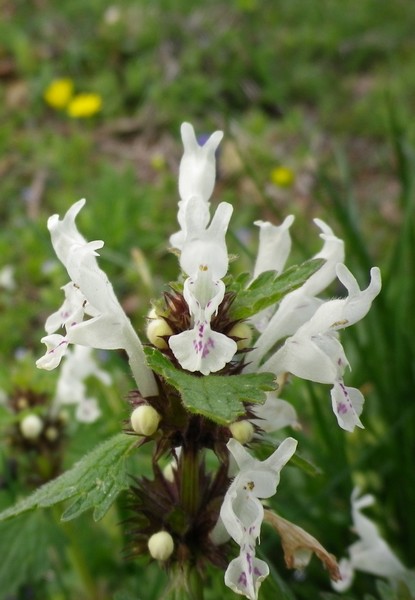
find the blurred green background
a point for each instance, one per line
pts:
(317, 101)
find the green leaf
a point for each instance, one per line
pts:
(269, 288)
(217, 397)
(93, 482)
(25, 550)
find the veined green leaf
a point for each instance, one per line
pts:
(93, 482)
(217, 397)
(270, 287)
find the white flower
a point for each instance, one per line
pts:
(7, 280)
(315, 353)
(89, 294)
(311, 349)
(204, 258)
(274, 414)
(297, 307)
(79, 364)
(370, 554)
(274, 245)
(197, 176)
(242, 512)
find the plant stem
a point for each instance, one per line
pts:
(189, 490)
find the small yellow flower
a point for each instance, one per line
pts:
(84, 105)
(157, 161)
(282, 176)
(58, 93)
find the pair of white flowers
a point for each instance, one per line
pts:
(303, 329)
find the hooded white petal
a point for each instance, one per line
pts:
(245, 573)
(274, 414)
(204, 258)
(370, 554)
(197, 172)
(347, 405)
(90, 293)
(242, 512)
(298, 307)
(314, 352)
(274, 245)
(197, 175)
(206, 247)
(56, 347)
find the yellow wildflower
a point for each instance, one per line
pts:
(58, 93)
(84, 105)
(157, 161)
(282, 176)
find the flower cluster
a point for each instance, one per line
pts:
(60, 95)
(198, 338)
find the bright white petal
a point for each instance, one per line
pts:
(274, 245)
(293, 311)
(64, 233)
(304, 358)
(207, 249)
(207, 351)
(245, 574)
(197, 171)
(72, 310)
(347, 576)
(104, 332)
(56, 346)
(347, 405)
(274, 414)
(333, 253)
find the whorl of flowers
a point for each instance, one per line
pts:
(194, 333)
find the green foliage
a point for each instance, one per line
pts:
(25, 548)
(217, 398)
(268, 288)
(93, 482)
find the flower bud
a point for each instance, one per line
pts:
(169, 470)
(161, 545)
(31, 427)
(157, 328)
(51, 434)
(145, 419)
(243, 331)
(242, 431)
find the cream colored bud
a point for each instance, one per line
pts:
(161, 545)
(157, 328)
(242, 431)
(243, 331)
(22, 403)
(51, 433)
(31, 427)
(169, 471)
(145, 419)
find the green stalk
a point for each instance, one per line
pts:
(189, 484)
(185, 584)
(77, 558)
